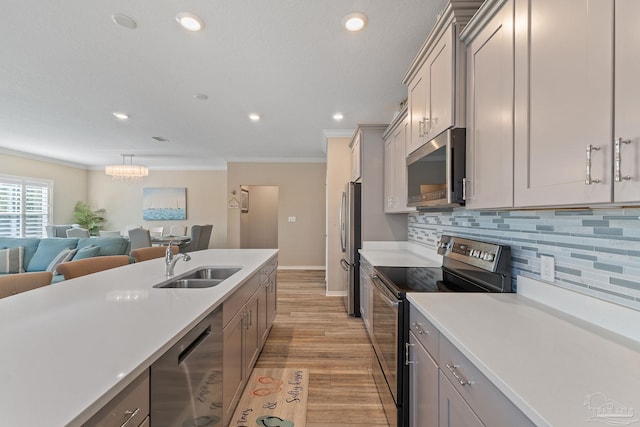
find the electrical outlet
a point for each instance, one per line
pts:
(547, 268)
(292, 219)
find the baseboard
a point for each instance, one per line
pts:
(300, 267)
(335, 293)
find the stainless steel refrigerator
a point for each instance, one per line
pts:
(351, 241)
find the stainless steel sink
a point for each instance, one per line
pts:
(191, 283)
(212, 273)
(205, 277)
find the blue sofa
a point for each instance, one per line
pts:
(38, 254)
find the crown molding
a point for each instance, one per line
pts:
(39, 158)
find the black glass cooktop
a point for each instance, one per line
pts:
(411, 279)
(401, 280)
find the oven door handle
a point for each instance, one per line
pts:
(378, 284)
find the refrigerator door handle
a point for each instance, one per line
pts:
(343, 203)
(345, 265)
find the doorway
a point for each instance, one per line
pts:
(259, 216)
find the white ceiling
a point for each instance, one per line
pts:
(65, 66)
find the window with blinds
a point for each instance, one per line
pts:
(24, 206)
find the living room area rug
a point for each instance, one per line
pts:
(274, 397)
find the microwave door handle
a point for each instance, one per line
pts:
(343, 202)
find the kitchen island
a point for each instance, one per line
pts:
(69, 348)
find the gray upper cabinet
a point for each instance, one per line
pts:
(552, 86)
(627, 102)
(563, 102)
(435, 79)
(489, 161)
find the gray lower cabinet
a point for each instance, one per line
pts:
(423, 383)
(446, 389)
(130, 407)
(248, 315)
(454, 411)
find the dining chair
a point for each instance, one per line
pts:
(82, 267)
(145, 254)
(77, 232)
(195, 239)
(139, 238)
(178, 230)
(205, 236)
(11, 284)
(107, 233)
(156, 231)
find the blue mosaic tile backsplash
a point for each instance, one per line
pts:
(597, 252)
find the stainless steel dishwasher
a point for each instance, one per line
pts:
(186, 382)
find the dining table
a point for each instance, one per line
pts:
(166, 239)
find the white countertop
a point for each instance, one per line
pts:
(68, 348)
(546, 362)
(399, 254)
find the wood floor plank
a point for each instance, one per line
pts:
(313, 331)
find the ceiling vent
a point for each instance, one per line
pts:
(160, 139)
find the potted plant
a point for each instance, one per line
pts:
(88, 218)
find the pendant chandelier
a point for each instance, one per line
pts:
(126, 172)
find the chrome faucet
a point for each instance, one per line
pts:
(170, 260)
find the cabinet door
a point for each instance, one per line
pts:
(263, 321)
(356, 159)
(233, 374)
(272, 299)
(417, 109)
(627, 100)
(454, 411)
(423, 386)
(564, 58)
(252, 333)
(440, 87)
(400, 156)
(490, 114)
(389, 174)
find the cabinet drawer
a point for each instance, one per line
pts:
(425, 332)
(130, 406)
(268, 268)
(234, 303)
(478, 391)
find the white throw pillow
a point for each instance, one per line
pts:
(64, 256)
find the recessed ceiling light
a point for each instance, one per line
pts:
(124, 21)
(355, 21)
(338, 116)
(255, 117)
(189, 21)
(121, 116)
(200, 96)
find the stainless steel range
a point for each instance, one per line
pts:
(467, 266)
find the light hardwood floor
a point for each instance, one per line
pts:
(313, 331)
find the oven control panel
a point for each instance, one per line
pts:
(480, 254)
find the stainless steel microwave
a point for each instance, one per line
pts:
(436, 170)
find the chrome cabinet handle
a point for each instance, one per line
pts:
(465, 196)
(130, 415)
(418, 327)
(406, 354)
(427, 125)
(589, 180)
(618, 159)
(452, 368)
(420, 129)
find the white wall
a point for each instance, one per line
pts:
(301, 194)
(206, 200)
(69, 182)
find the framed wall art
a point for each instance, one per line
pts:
(164, 204)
